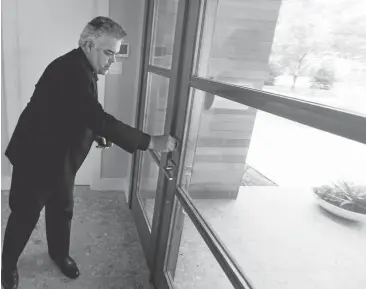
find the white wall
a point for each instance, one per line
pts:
(5, 165)
(33, 34)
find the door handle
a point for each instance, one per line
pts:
(167, 173)
(167, 170)
(170, 165)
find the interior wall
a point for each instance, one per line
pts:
(121, 93)
(5, 164)
(51, 27)
(10, 106)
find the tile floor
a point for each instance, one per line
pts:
(104, 243)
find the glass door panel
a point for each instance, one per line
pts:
(163, 34)
(154, 122)
(147, 186)
(145, 193)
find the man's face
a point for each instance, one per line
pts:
(102, 54)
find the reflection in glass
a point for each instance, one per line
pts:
(147, 185)
(311, 50)
(163, 33)
(156, 104)
(154, 122)
(195, 267)
(251, 175)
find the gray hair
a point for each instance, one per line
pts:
(101, 26)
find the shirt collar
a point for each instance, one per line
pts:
(87, 63)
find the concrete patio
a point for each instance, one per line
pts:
(280, 237)
(104, 243)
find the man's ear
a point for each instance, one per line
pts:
(89, 45)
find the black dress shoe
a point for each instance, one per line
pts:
(67, 266)
(10, 279)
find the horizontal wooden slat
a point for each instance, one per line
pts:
(231, 124)
(213, 191)
(219, 142)
(240, 43)
(251, 25)
(238, 63)
(245, 13)
(221, 151)
(209, 187)
(220, 158)
(222, 168)
(243, 34)
(243, 114)
(226, 177)
(238, 121)
(260, 53)
(230, 136)
(237, 130)
(237, 116)
(264, 5)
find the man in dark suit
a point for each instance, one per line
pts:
(53, 137)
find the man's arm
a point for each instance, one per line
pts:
(101, 123)
(104, 124)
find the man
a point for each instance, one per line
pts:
(53, 137)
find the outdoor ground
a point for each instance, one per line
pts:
(104, 243)
(281, 238)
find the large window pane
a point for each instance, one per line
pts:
(196, 265)
(253, 176)
(311, 50)
(163, 33)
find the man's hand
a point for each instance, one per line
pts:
(103, 143)
(163, 143)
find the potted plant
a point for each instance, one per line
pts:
(343, 199)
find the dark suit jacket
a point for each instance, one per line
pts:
(58, 126)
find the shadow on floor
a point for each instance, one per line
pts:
(104, 243)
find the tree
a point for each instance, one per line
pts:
(302, 36)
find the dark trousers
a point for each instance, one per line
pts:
(28, 195)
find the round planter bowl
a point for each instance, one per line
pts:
(349, 215)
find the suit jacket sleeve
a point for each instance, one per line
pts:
(92, 114)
